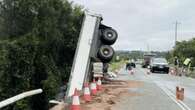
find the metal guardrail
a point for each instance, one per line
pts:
(19, 97)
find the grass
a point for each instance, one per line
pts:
(192, 74)
(116, 65)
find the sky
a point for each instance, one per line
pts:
(145, 24)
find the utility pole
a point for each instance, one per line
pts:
(148, 48)
(176, 38)
(176, 31)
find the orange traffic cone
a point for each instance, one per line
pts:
(87, 95)
(148, 71)
(75, 101)
(132, 72)
(172, 72)
(99, 84)
(93, 88)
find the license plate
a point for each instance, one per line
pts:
(160, 66)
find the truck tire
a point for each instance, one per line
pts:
(109, 36)
(105, 53)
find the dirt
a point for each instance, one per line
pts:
(111, 95)
(107, 98)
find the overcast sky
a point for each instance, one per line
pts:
(146, 22)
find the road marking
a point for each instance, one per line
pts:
(171, 95)
(168, 92)
(185, 105)
(181, 104)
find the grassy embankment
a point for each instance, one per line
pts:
(116, 65)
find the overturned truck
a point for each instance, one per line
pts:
(94, 45)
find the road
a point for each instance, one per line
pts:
(157, 92)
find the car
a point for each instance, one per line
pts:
(160, 65)
(132, 64)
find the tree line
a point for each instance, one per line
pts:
(37, 43)
(182, 50)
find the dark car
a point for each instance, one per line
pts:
(130, 65)
(160, 65)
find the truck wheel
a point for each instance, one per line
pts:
(105, 53)
(109, 36)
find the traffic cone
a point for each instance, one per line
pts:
(177, 93)
(148, 71)
(172, 72)
(182, 94)
(99, 84)
(87, 95)
(93, 87)
(75, 101)
(132, 72)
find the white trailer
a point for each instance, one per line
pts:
(82, 59)
(93, 46)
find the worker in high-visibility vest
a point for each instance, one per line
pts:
(186, 65)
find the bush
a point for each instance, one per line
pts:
(36, 48)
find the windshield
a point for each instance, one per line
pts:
(159, 60)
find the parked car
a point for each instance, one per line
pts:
(130, 64)
(159, 64)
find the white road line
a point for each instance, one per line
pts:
(167, 93)
(173, 99)
(185, 105)
(182, 105)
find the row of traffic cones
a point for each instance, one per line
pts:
(87, 93)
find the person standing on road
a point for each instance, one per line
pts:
(176, 63)
(186, 66)
(128, 66)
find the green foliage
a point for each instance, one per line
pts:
(126, 55)
(116, 65)
(37, 44)
(185, 49)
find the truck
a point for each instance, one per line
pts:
(147, 59)
(94, 45)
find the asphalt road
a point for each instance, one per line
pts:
(157, 92)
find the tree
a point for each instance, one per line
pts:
(185, 49)
(39, 43)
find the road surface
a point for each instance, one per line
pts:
(157, 92)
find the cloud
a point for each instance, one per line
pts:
(145, 22)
